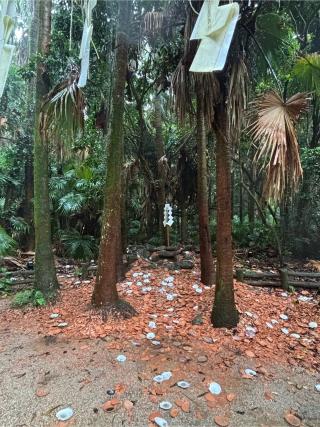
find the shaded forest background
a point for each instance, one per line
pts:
(160, 153)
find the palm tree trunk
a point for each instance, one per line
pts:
(161, 196)
(28, 243)
(224, 312)
(206, 261)
(183, 222)
(110, 253)
(28, 240)
(45, 273)
(251, 204)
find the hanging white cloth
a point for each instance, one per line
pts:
(215, 27)
(7, 20)
(86, 41)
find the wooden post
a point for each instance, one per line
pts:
(240, 275)
(84, 270)
(284, 279)
(168, 235)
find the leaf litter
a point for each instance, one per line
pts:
(258, 336)
(174, 318)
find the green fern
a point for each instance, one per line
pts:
(19, 226)
(71, 203)
(22, 298)
(7, 244)
(78, 246)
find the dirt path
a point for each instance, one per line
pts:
(79, 373)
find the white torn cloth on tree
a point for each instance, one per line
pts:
(86, 41)
(214, 27)
(7, 20)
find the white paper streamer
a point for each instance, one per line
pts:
(86, 41)
(7, 19)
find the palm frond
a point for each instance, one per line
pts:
(182, 84)
(182, 81)
(79, 246)
(63, 109)
(185, 83)
(7, 244)
(307, 71)
(238, 91)
(153, 22)
(273, 129)
(71, 203)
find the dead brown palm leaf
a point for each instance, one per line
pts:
(153, 22)
(185, 84)
(273, 130)
(238, 92)
(64, 109)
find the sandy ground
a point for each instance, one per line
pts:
(78, 373)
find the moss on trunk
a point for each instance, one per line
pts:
(206, 261)
(224, 312)
(45, 274)
(110, 253)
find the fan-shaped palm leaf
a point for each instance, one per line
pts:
(307, 71)
(274, 131)
(64, 109)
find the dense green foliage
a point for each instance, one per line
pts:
(77, 163)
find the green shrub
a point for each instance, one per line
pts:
(29, 297)
(246, 235)
(5, 280)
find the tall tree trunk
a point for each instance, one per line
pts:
(240, 190)
(110, 253)
(45, 273)
(206, 261)
(251, 204)
(28, 241)
(183, 222)
(224, 312)
(161, 196)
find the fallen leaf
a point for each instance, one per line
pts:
(199, 415)
(41, 392)
(247, 377)
(250, 353)
(292, 420)
(120, 388)
(210, 397)
(183, 404)
(107, 406)
(221, 420)
(230, 397)
(174, 412)
(268, 395)
(128, 405)
(154, 415)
